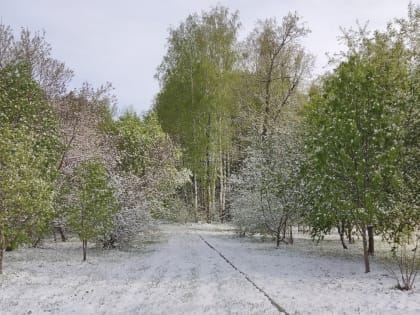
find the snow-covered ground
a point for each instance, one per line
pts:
(181, 274)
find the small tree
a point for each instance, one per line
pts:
(92, 204)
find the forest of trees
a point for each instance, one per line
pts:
(239, 132)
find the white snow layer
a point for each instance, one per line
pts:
(182, 275)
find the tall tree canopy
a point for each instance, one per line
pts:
(195, 102)
(275, 64)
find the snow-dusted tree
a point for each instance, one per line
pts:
(133, 223)
(92, 202)
(267, 189)
(83, 115)
(404, 217)
(6, 44)
(274, 65)
(355, 141)
(25, 194)
(146, 177)
(29, 149)
(33, 49)
(245, 198)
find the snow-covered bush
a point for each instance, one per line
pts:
(406, 257)
(133, 223)
(162, 198)
(245, 197)
(266, 190)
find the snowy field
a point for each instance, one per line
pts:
(182, 274)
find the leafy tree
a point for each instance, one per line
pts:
(405, 215)
(353, 140)
(146, 176)
(84, 116)
(29, 150)
(266, 187)
(25, 194)
(195, 103)
(92, 204)
(150, 158)
(23, 105)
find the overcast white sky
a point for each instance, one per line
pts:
(123, 41)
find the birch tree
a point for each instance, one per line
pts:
(275, 64)
(194, 105)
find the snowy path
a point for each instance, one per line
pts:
(185, 275)
(180, 276)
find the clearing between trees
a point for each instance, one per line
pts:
(183, 274)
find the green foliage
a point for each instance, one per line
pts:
(195, 104)
(405, 215)
(353, 140)
(29, 149)
(361, 139)
(148, 154)
(92, 204)
(25, 194)
(138, 142)
(23, 105)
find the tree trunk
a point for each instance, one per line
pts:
(365, 250)
(341, 233)
(84, 244)
(213, 197)
(278, 238)
(208, 203)
(2, 249)
(267, 97)
(195, 197)
(349, 235)
(291, 235)
(284, 228)
(227, 186)
(1, 259)
(36, 242)
(208, 171)
(222, 188)
(63, 236)
(371, 248)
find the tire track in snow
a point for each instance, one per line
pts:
(274, 303)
